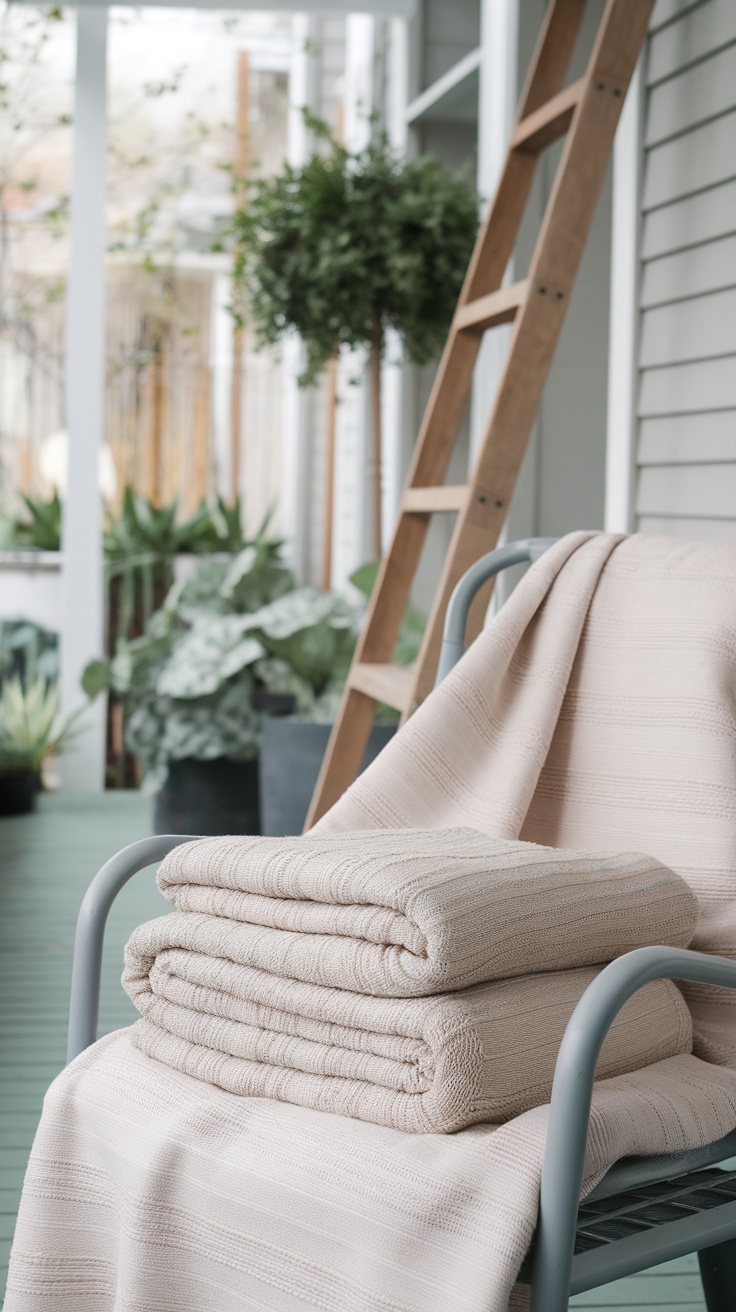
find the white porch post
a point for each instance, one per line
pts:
(392, 370)
(83, 604)
(351, 544)
(295, 498)
(622, 338)
(499, 24)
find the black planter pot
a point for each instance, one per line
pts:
(291, 755)
(209, 797)
(18, 791)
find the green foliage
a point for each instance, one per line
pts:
(235, 629)
(95, 678)
(144, 531)
(28, 652)
(351, 244)
(42, 527)
(30, 728)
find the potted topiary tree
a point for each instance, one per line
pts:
(348, 246)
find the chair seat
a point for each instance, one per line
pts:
(624, 1233)
(650, 1210)
(631, 1172)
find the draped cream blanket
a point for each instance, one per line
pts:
(597, 711)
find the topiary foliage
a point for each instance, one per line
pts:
(351, 244)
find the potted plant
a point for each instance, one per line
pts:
(232, 639)
(30, 732)
(234, 648)
(348, 246)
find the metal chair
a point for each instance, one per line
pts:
(646, 1210)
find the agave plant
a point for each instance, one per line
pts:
(31, 728)
(42, 529)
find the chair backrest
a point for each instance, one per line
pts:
(523, 552)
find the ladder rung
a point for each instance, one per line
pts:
(496, 307)
(424, 500)
(548, 122)
(391, 684)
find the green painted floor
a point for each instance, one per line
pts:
(46, 862)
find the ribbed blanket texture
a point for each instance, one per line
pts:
(385, 974)
(597, 711)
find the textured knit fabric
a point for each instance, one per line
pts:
(150, 1191)
(598, 710)
(420, 1064)
(259, 982)
(410, 912)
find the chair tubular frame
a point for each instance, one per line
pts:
(553, 1267)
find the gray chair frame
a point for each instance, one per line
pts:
(646, 1186)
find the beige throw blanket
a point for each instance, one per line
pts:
(597, 711)
(292, 970)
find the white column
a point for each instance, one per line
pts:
(221, 372)
(622, 338)
(351, 543)
(294, 506)
(499, 24)
(393, 373)
(83, 570)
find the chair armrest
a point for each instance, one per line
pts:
(84, 1003)
(572, 1091)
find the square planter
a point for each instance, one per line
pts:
(290, 760)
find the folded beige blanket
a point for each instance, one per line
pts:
(409, 912)
(425, 1065)
(274, 980)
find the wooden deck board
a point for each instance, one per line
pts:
(46, 862)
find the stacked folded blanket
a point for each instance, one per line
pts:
(418, 978)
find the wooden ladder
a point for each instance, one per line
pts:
(588, 112)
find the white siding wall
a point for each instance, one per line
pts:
(686, 455)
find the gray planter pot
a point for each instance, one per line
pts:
(291, 755)
(18, 791)
(208, 797)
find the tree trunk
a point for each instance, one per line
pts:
(241, 169)
(329, 511)
(376, 454)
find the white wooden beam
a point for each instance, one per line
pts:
(624, 315)
(295, 492)
(397, 94)
(499, 38)
(83, 568)
(352, 541)
(317, 7)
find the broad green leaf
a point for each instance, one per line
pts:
(205, 657)
(96, 678)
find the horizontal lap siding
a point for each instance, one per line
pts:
(686, 457)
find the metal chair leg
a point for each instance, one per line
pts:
(718, 1274)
